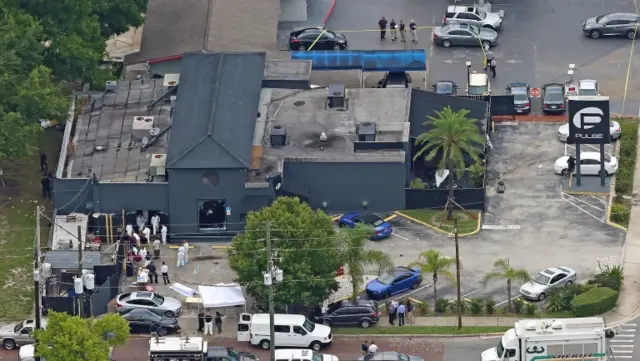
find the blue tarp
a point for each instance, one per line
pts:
(368, 61)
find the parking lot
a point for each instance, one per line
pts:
(533, 223)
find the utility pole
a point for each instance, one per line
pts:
(455, 230)
(272, 272)
(36, 272)
(81, 296)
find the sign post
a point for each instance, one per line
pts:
(534, 92)
(589, 124)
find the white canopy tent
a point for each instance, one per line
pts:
(221, 295)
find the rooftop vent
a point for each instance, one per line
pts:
(110, 86)
(556, 325)
(158, 163)
(366, 132)
(171, 80)
(530, 326)
(278, 136)
(336, 98)
(142, 126)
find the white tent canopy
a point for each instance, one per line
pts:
(221, 295)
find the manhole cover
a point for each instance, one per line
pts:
(299, 103)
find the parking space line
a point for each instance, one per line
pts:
(505, 301)
(621, 341)
(397, 235)
(580, 200)
(580, 208)
(470, 293)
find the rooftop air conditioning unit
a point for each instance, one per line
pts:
(142, 126)
(336, 98)
(171, 81)
(110, 86)
(366, 132)
(278, 136)
(158, 163)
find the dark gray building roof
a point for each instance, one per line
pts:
(174, 27)
(69, 259)
(216, 110)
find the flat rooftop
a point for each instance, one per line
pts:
(106, 142)
(65, 231)
(305, 116)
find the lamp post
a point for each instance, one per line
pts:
(468, 64)
(272, 273)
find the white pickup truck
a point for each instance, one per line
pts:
(18, 334)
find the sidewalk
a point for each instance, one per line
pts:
(453, 321)
(628, 304)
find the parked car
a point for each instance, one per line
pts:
(589, 164)
(382, 229)
(478, 84)
(316, 39)
(389, 356)
(144, 321)
(221, 353)
(395, 79)
(303, 355)
(464, 35)
(397, 280)
(363, 313)
(614, 24)
(472, 15)
(18, 334)
(521, 100)
(165, 306)
(615, 131)
(539, 286)
(553, 98)
(445, 87)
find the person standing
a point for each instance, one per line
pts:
(201, 321)
(43, 163)
(129, 230)
(153, 274)
(403, 32)
(373, 348)
(147, 232)
(186, 251)
(414, 31)
(208, 324)
(155, 223)
(382, 24)
(140, 222)
(165, 273)
(571, 164)
(46, 186)
(143, 252)
(180, 262)
(394, 30)
(365, 348)
(163, 234)
(392, 313)
(402, 309)
(218, 322)
(409, 312)
(156, 248)
(136, 238)
(492, 65)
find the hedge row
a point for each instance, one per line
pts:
(594, 302)
(628, 144)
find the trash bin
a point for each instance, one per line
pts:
(500, 187)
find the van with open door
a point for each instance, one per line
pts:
(290, 331)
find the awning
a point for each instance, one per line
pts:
(221, 295)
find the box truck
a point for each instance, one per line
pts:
(553, 339)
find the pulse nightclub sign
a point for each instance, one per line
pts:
(589, 119)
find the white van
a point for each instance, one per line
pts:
(290, 331)
(303, 355)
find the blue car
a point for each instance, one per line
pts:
(382, 229)
(397, 280)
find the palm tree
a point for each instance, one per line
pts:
(452, 136)
(502, 270)
(356, 257)
(435, 264)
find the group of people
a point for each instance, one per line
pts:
(398, 28)
(369, 349)
(206, 322)
(490, 62)
(402, 311)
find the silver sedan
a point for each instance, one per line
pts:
(165, 306)
(539, 286)
(464, 35)
(614, 130)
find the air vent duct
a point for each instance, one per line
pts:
(366, 132)
(336, 98)
(278, 136)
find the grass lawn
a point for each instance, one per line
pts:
(17, 227)
(421, 330)
(438, 219)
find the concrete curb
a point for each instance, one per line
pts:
(368, 335)
(326, 17)
(541, 118)
(478, 228)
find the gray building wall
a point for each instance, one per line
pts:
(71, 195)
(344, 186)
(114, 197)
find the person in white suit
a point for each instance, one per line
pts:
(186, 251)
(129, 229)
(147, 233)
(163, 233)
(140, 222)
(155, 223)
(181, 252)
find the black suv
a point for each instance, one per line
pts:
(395, 79)
(361, 313)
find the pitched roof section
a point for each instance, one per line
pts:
(216, 110)
(174, 27)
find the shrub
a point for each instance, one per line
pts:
(620, 213)
(610, 276)
(594, 302)
(518, 305)
(475, 306)
(628, 145)
(560, 299)
(422, 308)
(489, 306)
(530, 308)
(441, 305)
(477, 174)
(453, 306)
(417, 183)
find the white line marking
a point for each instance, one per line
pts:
(505, 301)
(617, 346)
(633, 325)
(470, 293)
(582, 209)
(502, 227)
(630, 335)
(618, 351)
(625, 357)
(587, 203)
(397, 235)
(621, 341)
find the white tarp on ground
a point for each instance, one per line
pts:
(183, 290)
(221, 295)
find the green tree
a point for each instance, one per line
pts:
(39, 98)
(117, 16)
(307, 247)
(71, 338)
(452, 136)
(17, 138)
(437, 265)
(502, 270)
(356, 256)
